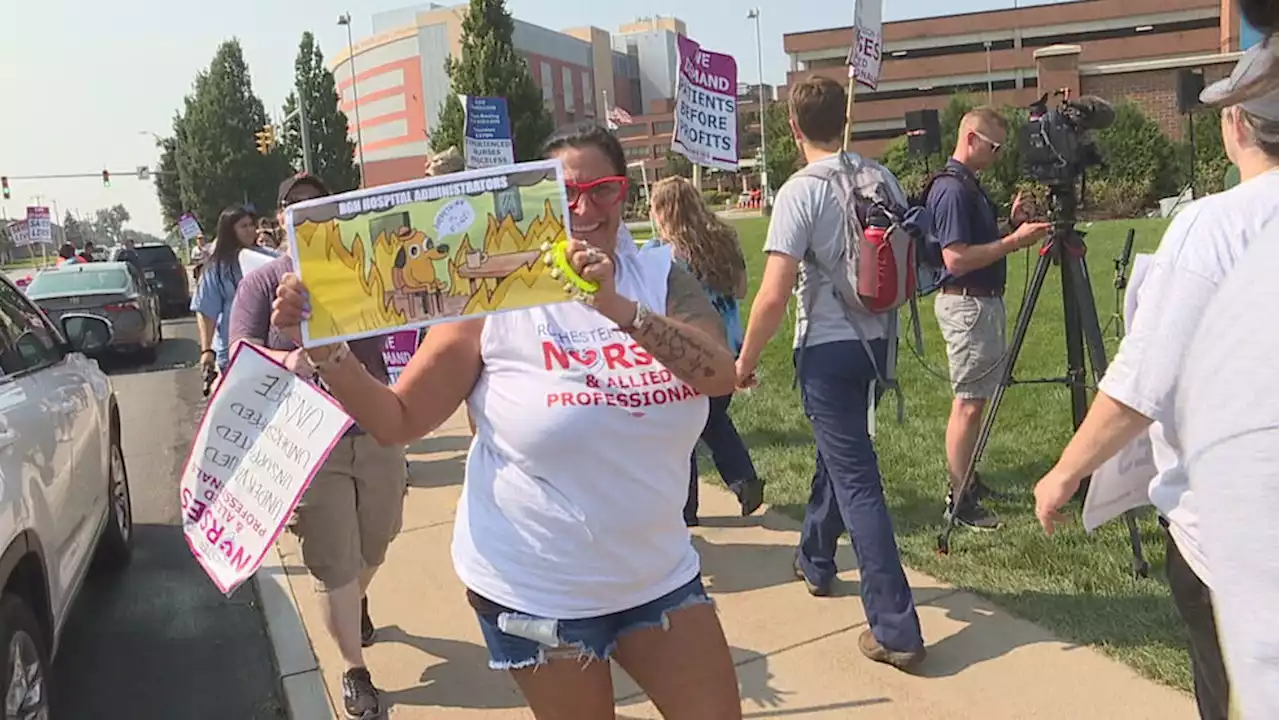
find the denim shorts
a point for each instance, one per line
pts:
(517, 640)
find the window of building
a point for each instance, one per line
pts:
(663, 126)
(1120, 33)
(631, 130)
(661, 150)
(548, 86)
(588, 93)
(566, 77)
(978, 88)
(637, 152)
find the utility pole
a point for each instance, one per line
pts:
(764, 167)
(304, 125)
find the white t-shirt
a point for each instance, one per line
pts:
(579, 469)
(1203, 243)
(807, 217)
(1229, 420)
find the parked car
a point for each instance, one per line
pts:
(160, 264)
(64, 488)
(114, 291)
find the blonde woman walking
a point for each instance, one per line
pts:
(708, 247)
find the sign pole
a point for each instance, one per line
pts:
(848, 113)
(304, 123)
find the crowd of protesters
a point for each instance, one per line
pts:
(571, 535)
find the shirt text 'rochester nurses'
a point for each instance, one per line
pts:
(616, 370)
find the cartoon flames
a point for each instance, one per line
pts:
(326, 237)
(529, 281)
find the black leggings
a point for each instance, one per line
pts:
(1195, 605)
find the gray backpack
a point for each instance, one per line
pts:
(876, 271)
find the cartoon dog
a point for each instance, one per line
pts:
(414, 271)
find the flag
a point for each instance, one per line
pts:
(618, 116)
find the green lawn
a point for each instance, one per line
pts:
(1076, 585)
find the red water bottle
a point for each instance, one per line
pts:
(876, 269)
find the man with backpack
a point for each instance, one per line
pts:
(822, 217)
(970, 302)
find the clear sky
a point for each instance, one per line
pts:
(85, 82)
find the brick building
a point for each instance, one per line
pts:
(395, 82)
(1116, 49)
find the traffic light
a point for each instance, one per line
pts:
(266, 138)
(4, 185)
(106, 179)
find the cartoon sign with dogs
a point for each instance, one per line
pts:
(428, 251)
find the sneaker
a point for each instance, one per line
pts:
(814, 589)
(359, 697)
(368, 633)
(972, 514)
(752, 496)
(874, 651)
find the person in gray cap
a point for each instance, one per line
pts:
(1136, 396)
(1228, 414)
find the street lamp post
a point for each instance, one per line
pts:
(345, 19)
(754, 14)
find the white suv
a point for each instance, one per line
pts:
(64, 491)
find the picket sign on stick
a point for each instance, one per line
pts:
(864, 56)
(261, 440)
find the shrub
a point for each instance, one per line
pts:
(1138, 157)
(1113, 198)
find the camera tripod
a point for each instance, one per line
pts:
(1065, 248)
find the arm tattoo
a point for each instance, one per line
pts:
(683, 340)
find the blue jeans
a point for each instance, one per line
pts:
(728, 452)
(847, 493)
(529, 641)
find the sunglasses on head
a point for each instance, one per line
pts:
(604, 192)
(995, 146)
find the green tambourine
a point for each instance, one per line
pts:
(553, 254)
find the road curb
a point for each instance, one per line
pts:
(302, 680)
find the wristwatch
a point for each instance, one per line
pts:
(639, 320)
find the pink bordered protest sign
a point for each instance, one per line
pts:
(263, 436)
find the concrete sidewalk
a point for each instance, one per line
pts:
(796, 655)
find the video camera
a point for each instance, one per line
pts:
(1057, 144)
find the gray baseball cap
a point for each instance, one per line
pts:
(1254, 64)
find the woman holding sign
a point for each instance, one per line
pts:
(568, 534)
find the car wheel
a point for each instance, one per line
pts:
(116, 546)
(24, 681)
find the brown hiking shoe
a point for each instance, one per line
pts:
(872, 648)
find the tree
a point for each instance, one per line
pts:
(678, 164)
(168, 187)
(332, 152)
(780, 152)
(217, 159)
(489, 66)
(108, 223)
(73, 231)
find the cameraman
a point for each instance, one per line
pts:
(970, 304)
(1229, 418)
(1203, 243)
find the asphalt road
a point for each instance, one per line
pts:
(160, 641)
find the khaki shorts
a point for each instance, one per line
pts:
(352, 510)
(974, 330)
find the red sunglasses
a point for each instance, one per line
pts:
(604, 192)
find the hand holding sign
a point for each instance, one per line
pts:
(261, 440)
